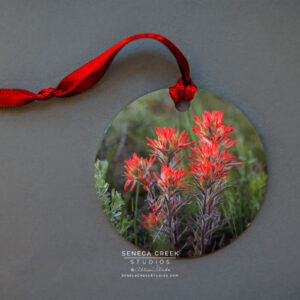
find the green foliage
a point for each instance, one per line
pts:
(112, 202)
(244, 199)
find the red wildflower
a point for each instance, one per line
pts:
(137, 169)
(208, 171)
(210, 163)
(212, 128)
(169, 140)
(156, 207)
(152, 220)
(172, 178)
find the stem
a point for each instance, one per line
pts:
(203, 246)
(203, 225)
(170, 228)
(208, 201)
(170, 217)
(135, 212)
(175, 233)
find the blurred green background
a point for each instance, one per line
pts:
(126, 135)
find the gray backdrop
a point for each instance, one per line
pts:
(55, 241)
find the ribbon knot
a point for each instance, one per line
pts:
(183, 91)
(45, 94)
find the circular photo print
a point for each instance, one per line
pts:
(188, 182)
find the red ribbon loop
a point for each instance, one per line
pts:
(89, 74)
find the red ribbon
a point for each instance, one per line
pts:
(89, 74)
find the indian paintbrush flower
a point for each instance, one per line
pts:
(171, 178)
(137, 170)
(209, 163)
(212, 128)
(169, 142)
(152, 220)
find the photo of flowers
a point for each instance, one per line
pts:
(189, 182)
